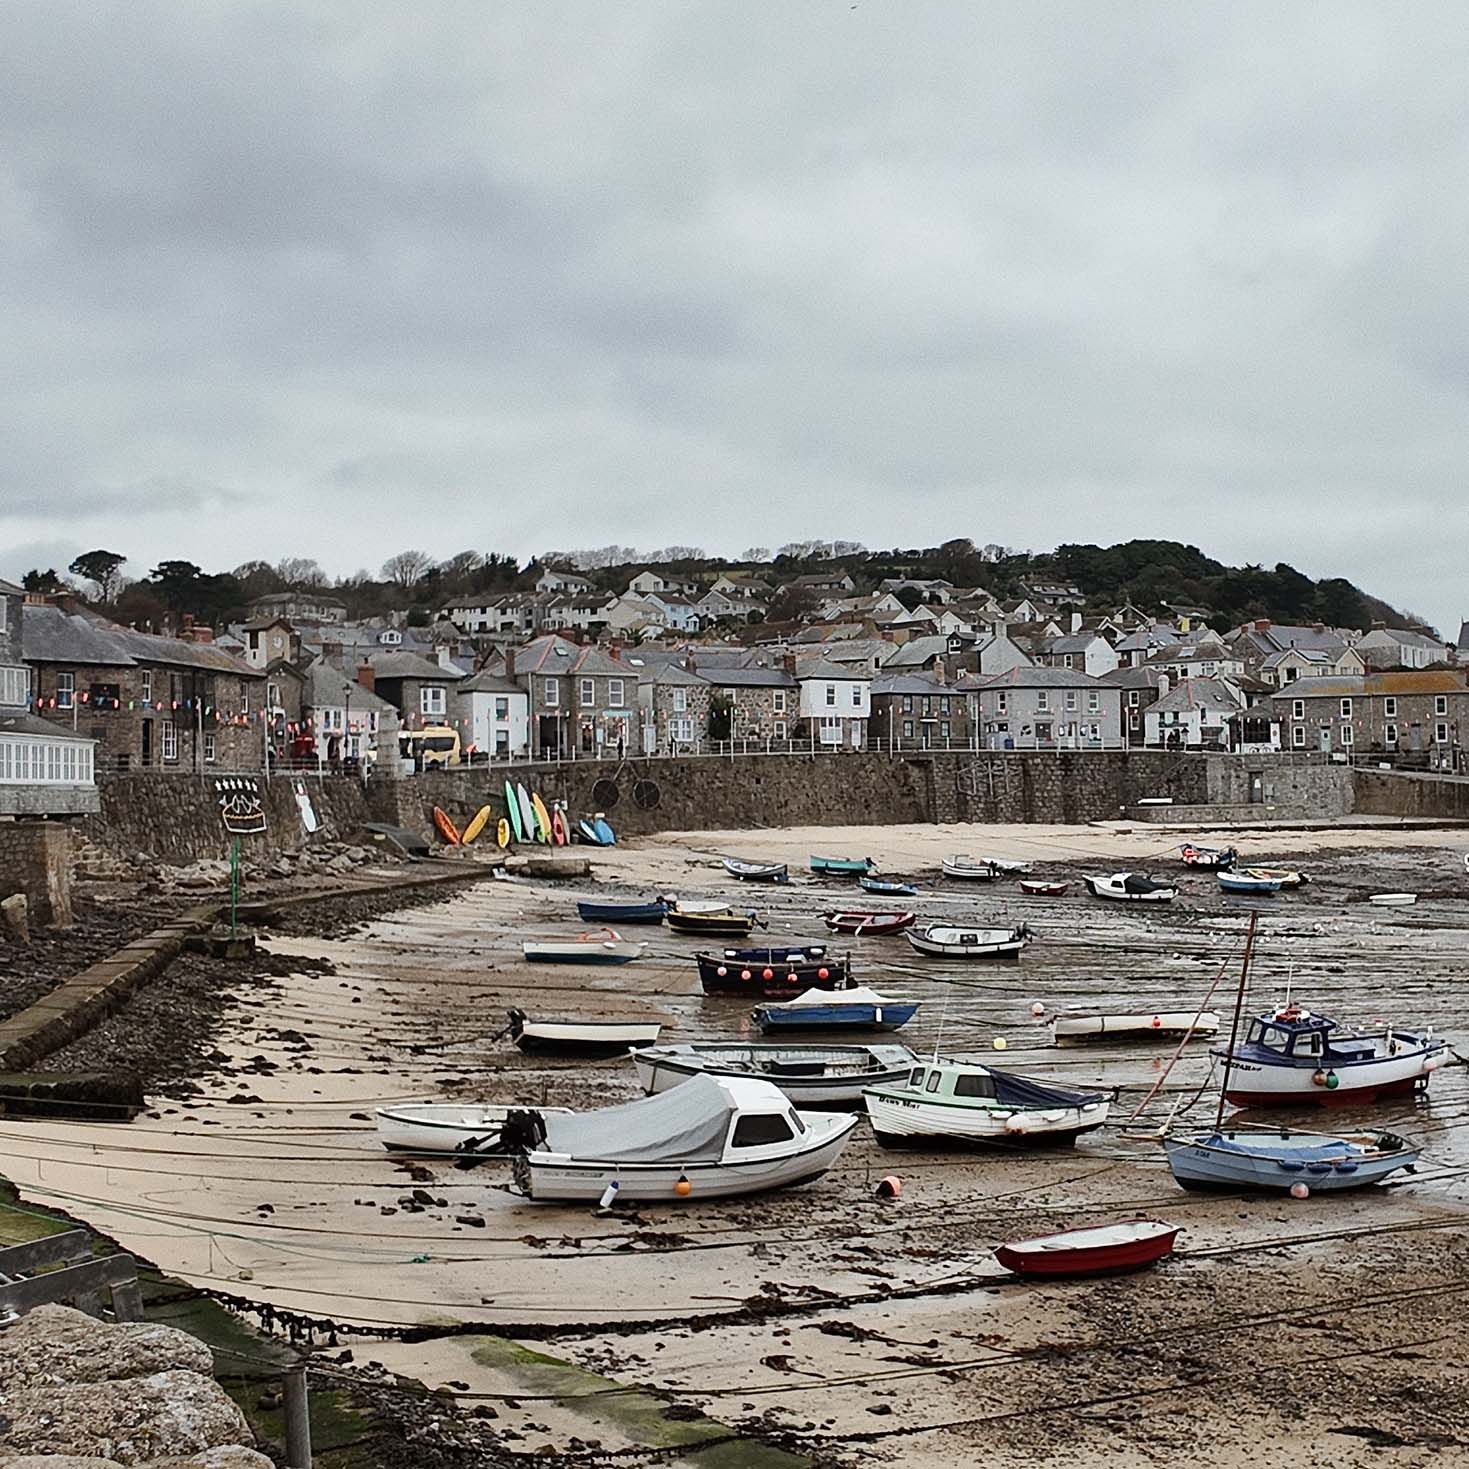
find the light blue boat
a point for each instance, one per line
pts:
(854, 1009)
(1276, 1161)
(887, 889)
(1244, 884)
(842, 864)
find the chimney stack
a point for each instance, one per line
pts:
(940, 673)
(367, 677)
(788, 662)
(509, 662)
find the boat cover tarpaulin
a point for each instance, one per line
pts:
(1133, 883)
(1016, 1091)
(687, 1123)
(827, 998)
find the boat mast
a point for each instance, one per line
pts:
(1239, 1004)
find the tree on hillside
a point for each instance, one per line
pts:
(1340, 604)
(257, 579)
(183, 587)
(790, 604)
(102, 569)
(36, 580)
(407, 568)
(300, 571)
(139, 605)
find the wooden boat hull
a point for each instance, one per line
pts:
(757, 871)
(1209, 859)
(711, 925)
(778, 1019)
(969, 871)
(870, 925)
(622, 912)
(834, 1077)
(899, 1121)
(752, 979)
(1107, 1249)
(432, 1128)
(1071, 1030)
(544, 1175)
(1267, 1164)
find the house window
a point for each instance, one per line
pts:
(1390, 708)
(1297, 708)
(588, 693)
(1390, 736)
(680, 700)
(1066, 660)
(1440, 703)
(831, 696)
(1070, 701)
(908, 703)
(927, 705)
(1298, 737)
(944, 729)
(856, 696)
(431, 699)
(273, 695)
(614, 693)
(170, 740)
(1043, 701)
(66, 690)
(779, 729)
(502, 710)
(1440, 734)
(907, 729)
(550, 693)
(1133, 698)
(944, 705)
(209, 749)
(1346, 734)
(778, 702)
(1346, 708)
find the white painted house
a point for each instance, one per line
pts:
(835, 701)
(494, 715)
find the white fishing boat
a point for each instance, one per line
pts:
(1131, 887)
(581, 1037)
(810, 1075)
(1287, 877)
(970, 869)
(962, 1101)
(1393, 900)
(1290, 1057)
(1277, 1161)
(444, 1127)
(1075, 1027)
(944, 941)
(708, 1138)
(755, 871)
(606, 946)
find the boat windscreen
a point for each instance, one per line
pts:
(687, 1123)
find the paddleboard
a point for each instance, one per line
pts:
(512, 810)
(480, 820)
(605, 834)
(559, 834)
(502, 833)
(303, 805)
(543, 817)
(447, 829)
(527, 813)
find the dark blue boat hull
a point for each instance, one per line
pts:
(622, 912)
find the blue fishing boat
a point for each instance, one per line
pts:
(888, 889)
(842, 864)
(1276, 1161)
(854, 1009)
(1246, 884)
(623, 912)
(772, 973)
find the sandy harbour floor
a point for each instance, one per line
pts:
(1329, 1329)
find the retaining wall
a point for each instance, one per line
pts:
(1401, 793)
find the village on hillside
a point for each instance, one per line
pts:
(649, 661)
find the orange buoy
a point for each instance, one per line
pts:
(890, 1187)
(683, 1188)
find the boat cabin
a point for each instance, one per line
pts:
(1298, 1035)
(952, 1081)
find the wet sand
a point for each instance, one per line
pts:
(876, 1324)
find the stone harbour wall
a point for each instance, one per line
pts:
(1401, 793)
(35, 859)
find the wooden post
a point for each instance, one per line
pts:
(298, 1417)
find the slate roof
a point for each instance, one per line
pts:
(910, 683)
(1420, 681)
(32, 724)
(52, 635)
(917, 651)
(489, 681)
(326, 686)
(401, 663)
(1197, 693)
(819, 667)
(675, 675)
(751, 678)
(1042, 678)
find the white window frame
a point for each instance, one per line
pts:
(1094, 701)
(1071, 701)
(680, 701)
(1002, 701)
(432, 700)
(831, 696)
(588, 693)
(147, 687)
(1390, 736)
(1297, 708)
(66, 688)
(1346, 708)
(1389, 707)
(1348, 735)
(210, 749)
(778, 729)
(1298, 737)
(1440, 704)
(615, 692)
(1042, 702)
(778, 702)
(551, 694)
(169, 745)
(1440, 734)
(856, 696)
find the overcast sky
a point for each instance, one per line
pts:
(333, 280)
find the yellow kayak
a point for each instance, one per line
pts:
(477, 824)
(543, 818)
(502, 833)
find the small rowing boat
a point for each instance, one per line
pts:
(1100, 1249)
(727, 922)
(970, 943)
(1287, 877)
(1393, 900)
(970, 869)
(581, 1037)
(1246, 885)
(757, 871)
(872, 925)
(606, 946)
(445, 1127)
(652, 912)
(842, 864)
(1274, 1162)
(1035, 888)
(887, 889)
(813, 1076)
(1074, 1027)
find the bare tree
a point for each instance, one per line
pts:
(300, 571)
(464, 564)
(407, 568)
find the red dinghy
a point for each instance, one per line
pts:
(1102, 1249)
(871, 924)
(1044, 889)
